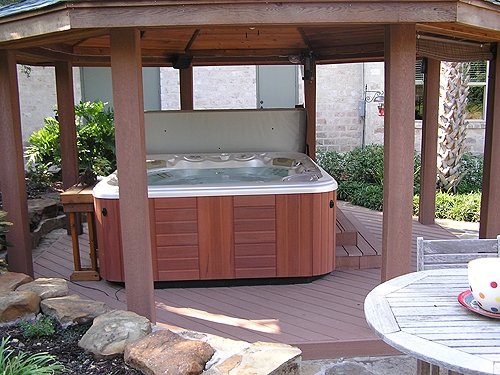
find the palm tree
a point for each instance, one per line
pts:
(452, 123)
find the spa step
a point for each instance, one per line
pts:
(357, 247)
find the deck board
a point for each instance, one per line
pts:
(324, 318)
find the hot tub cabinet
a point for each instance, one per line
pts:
(228, 237)
(227, 216)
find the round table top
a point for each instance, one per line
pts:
(420, 315)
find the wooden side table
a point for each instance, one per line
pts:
(74, 200)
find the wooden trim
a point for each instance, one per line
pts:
(231, 13)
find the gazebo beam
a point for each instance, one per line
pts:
(310, 105)
(126, 73)
(186, 88)
(427, 204)
(399, 128)
(12, 180)
(67, 129)
(489, 226)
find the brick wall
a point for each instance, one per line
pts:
(340, 88)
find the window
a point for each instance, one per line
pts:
(419, 90)
(478, 72)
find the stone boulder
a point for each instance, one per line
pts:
(41, 208)
(47, 287)
(15, 306)
(261, 358)
(11, 280)
(72, 309)
(164, 352)
(111, 332)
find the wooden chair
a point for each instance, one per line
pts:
(432, 254)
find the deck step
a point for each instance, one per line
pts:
(357, 247)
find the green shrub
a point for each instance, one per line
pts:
(333, 163)
(365, 164)
(359, 174)
(20, 363)
(361, 194)
(95, 142)
(473, 179)
(44, 326)
(460, 207)
(96, 137)
(44, 151)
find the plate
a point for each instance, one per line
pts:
(467, 300)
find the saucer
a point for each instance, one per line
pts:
(467, 300)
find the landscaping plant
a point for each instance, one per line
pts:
(360, 177)
(21, 363)
(43, 326)
(95, 135)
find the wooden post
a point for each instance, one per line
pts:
(186, 83)
(490, 200)
(427, 204)
(67, 129)
(14, 198)
(310, 103)
(399, 134)
(126, 70)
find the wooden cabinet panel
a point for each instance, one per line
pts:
(305, 234)
(107, 215)
(216, 239)
(255, 236)
(176, 239)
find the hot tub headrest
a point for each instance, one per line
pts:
(225, 131)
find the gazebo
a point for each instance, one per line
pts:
(128, 35)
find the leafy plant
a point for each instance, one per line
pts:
(472, 169)
(361, 194)
(95, 142)
(96, 137)
(44, 326)
(334, 163)
(20, 363)
(460, 207)
(3, 230)
(359, 174)
(366, 164)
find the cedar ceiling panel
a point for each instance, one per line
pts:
(343, 36)
(234, 38)
(172, 40)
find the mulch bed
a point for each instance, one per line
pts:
(63, 345)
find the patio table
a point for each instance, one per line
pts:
(420, 315)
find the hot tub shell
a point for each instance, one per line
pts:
(217, 231)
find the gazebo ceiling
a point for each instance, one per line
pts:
(222, 33)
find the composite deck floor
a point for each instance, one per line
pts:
(324, 318)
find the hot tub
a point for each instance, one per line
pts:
(227, 216)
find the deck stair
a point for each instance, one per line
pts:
(357, 247)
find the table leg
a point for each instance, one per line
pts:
(74, 240)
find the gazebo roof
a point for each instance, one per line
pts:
(252, 32)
